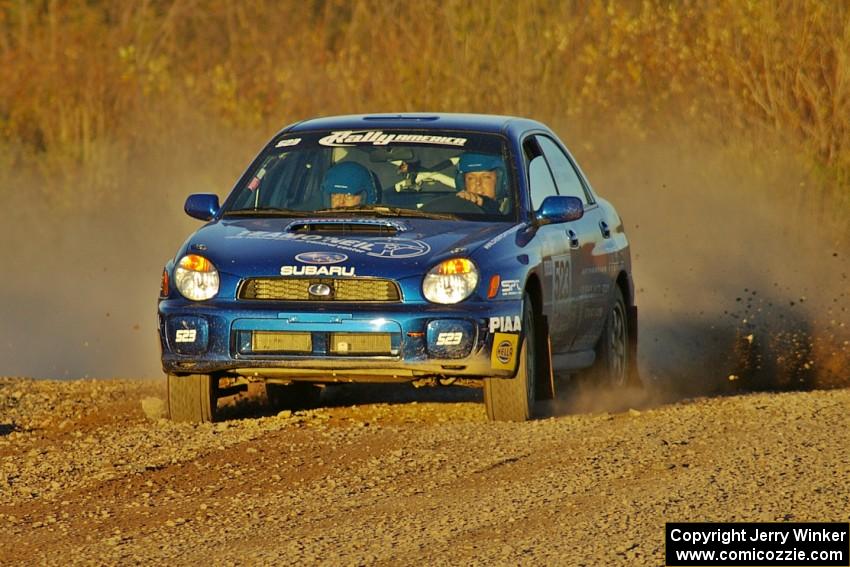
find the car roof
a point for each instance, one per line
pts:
(419, 121)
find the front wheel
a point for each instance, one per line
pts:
(192, 398)
(512, 399)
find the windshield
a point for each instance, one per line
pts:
(424, 173)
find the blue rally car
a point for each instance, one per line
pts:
(405, 247)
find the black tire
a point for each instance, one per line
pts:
(295, 396)
(192, 398)
(512, 399)
(613, 365)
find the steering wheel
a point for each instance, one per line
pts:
(452, 204)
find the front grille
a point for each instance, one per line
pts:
(298, 289)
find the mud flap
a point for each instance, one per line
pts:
(633, 376)
(544, 383)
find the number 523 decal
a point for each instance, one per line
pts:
(449, 339)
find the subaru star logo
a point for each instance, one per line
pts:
(321, 258)
(399, 248)
(319, 289)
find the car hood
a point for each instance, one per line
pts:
(396, 248)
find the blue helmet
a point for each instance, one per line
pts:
(350, 178)
(470, 162)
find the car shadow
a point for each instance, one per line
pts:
(337, 395)
(254, 403)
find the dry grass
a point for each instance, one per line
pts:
(87, 86)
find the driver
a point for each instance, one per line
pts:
(348, 184)
(481, 180)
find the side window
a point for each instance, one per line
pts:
(540, 180)
(566, 177)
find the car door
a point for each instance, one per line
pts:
(558, 299)
(587, 237)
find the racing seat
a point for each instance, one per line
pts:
(378, 189)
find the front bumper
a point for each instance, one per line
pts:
(422, 340)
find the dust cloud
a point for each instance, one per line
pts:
(736, 276)
(80, 290)
(81, 282)
(741, 283)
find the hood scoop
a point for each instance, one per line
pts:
(372, 227)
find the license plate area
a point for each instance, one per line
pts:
(281, 342)
(360, 344)
(316, 335)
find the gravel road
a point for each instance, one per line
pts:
(89, 474)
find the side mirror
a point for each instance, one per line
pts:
(203, 206)
(557, 209)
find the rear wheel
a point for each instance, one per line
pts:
(512, 399)
(192, 398)
(612, 351)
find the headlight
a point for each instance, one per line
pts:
(196, 278)
(450, 281)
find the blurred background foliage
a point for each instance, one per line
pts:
(87, 86)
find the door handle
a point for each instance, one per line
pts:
(573, 238)
(606, 232)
